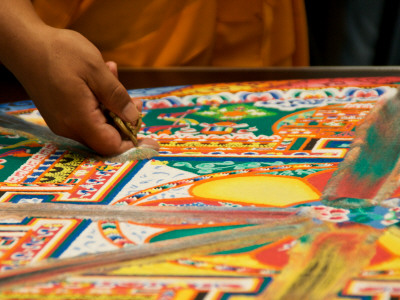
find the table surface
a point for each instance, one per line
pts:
(133, 78)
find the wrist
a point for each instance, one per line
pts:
(22, 35)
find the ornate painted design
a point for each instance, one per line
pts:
(251, 149)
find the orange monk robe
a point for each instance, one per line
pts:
(158, 33)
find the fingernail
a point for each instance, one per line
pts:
(130, 113)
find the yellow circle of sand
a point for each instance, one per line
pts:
(266, 190)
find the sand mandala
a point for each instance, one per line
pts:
(229, 209)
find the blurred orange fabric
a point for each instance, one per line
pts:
(159, 33)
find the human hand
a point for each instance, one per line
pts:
(68, 80)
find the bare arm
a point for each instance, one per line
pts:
(66, 77)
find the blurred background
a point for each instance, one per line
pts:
(354, 32)
(347, 38)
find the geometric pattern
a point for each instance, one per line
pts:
(235, 192)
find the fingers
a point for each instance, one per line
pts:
(106, 140)
(112, 94)
(138, 103)
(112, 66)
(149, 143)
(101, 136)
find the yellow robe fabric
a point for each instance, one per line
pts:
(159, 33)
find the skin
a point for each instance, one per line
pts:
(67, 78)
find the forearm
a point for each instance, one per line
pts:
(21, 33)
